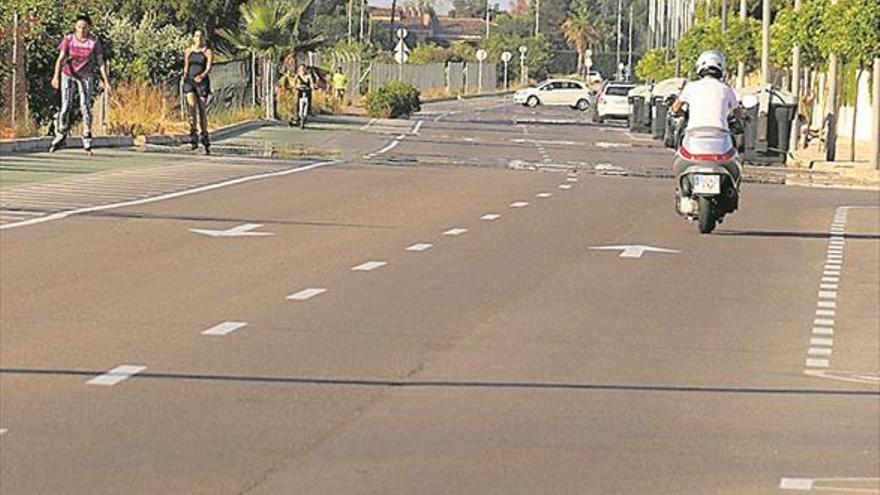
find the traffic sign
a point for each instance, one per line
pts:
(402, 32)
(506, 56)
(523, 49)
(400, 56)
(482, 54)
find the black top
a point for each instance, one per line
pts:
(197, 63)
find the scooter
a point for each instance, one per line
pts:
(708, 174)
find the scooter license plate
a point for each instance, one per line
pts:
(707, 184)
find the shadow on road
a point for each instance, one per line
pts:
(374, 383)
(796, 235)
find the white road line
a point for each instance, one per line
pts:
(368, 124)
(828, 286)
(422, 246)
(177, 194)
(544, 195)
(389, 147)
(821, 341)
(490, 216)
(415, 129)
(819, 351)
(817, 363)
(3, 430)
(796, 484)
(827, 294)
(116, 375)
(306, 294)
(823, 331)
(369, 266)
(571, 179)
(519, 204)
(832, 273)
(825, 312)
(564, 186)
(455, 231)
(225, 328)
(826, 304)
(823, 322)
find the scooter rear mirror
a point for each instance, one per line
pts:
(749, 101)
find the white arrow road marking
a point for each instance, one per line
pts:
(635, 251)
(243, 230)
(422, 246)
(455, 231)
(369, 266)
(490, 216)
(224, 328)
(116, 375)
(306, 294)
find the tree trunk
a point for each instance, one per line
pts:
(580, 62)
(852, 138)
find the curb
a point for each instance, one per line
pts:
(30, 145)
(220, 133)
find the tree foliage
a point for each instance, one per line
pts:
(654, 67)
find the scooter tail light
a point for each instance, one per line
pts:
(707, 157)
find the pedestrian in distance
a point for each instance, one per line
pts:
(197, 61)
(340, 81)
(80, 52)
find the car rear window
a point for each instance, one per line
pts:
(618, 90)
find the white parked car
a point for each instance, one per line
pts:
(556, 92)
(612, 102)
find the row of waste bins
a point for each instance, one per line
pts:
(766, 129)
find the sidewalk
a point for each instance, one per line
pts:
(847, 174)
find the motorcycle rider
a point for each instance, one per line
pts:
(709, 99)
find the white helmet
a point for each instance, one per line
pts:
(710, 59)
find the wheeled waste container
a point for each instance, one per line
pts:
(639, 99)
(768, 125)
(659, 108)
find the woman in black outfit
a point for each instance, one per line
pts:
(197, 61)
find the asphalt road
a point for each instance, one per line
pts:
(427, 313)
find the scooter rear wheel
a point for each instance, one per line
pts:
(706, 219)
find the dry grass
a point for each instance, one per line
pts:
(223, 118)
(140, 108)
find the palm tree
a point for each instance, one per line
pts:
(581, 33)
(270, 30)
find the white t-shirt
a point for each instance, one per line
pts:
(709, 101)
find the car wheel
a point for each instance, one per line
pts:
(582, 105)
(532, 101)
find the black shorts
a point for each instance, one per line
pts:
(201, 89)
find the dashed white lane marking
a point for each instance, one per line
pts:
(417, 127)
(796, 483)
(225, 328)
(116, 375)
(544, 195)
(3, 430)
(519, 204)
(177, 194)
(826, 305)
(823, 331)
(571, 179)
(306, 294)
(390, 146)
(455, 231)
(490, 217)
(369, 266)
(422, 246)
(564, 186)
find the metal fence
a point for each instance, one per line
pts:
(452, 77)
